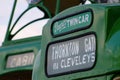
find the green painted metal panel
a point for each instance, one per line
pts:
(105, 25)
(18, 59)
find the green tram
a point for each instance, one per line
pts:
(81, 43)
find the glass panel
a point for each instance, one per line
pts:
(34, 29)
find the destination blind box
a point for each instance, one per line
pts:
(71, 55)
(71, 23)
(20, 60)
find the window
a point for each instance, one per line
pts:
(34, 29)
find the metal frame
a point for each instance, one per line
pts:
(40, 5)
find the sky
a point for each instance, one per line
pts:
(5, 11)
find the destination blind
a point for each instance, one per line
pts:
(76, 54)
(72, 23)
(20, 60)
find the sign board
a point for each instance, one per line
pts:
(72, 23)
(71, 55)
(20, 60)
